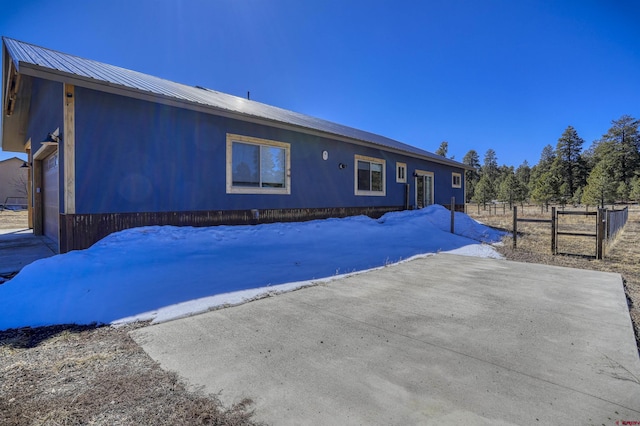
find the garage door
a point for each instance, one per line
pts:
(50, 196)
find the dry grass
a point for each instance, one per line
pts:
(534, 246)
(73, 375)
(10, 219)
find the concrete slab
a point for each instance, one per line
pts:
(440, 340)
(19, 247)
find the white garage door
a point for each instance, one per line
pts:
(50, 196)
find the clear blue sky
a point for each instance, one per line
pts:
(507, 74)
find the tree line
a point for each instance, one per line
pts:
(607, 172)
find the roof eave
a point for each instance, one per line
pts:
(101, 85)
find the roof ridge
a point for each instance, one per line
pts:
(77, 66)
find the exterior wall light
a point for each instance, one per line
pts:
(53, 138)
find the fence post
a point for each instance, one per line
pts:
(554, 229)
(453, 213)
(515, 227)
(599, 233)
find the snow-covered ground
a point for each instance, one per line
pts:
(165, 272)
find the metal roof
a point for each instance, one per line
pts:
(28, 57)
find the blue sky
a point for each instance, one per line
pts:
(504, 74)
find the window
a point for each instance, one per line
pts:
(257, 166)
(456, 180)
(401, 173)
(369, 176)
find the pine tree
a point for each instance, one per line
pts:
(623, 191)
(601, 186)
(523, 174)
(490, 166)
(490, 171)
(511, 189)
(471, 177)
(544, 186)
(568, 163)
(620, 149)
(484, 191)
(634, 194)
(443, 149)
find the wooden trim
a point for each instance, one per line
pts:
(45, 150)
(258, 142)
(11, 88)
(69, 150)
(364, 158)
(38, 226)
(398, 166)
(453, 184)
(27, 149)
(80, 231)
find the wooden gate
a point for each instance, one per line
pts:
(562, 227)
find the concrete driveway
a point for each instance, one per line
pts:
(440, 340)
(19, 247)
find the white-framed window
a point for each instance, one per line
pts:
(401, 173)
(370, 176)
(456, 180)
(257, 166)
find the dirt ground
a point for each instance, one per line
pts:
(534, 246)
(73, 375)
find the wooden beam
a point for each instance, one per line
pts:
(576, 213)
(27, 149)
(69, 150)
(38, 228)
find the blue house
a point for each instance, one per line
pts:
(110, 148)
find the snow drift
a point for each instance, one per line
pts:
(163, 272)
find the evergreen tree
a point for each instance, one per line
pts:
(490, 171)
(634, 193)
(523, 174)
(511, 189)
(443, 148)
(601, 186)
(471, 177)
(620, 149)
(547, 158)
(577, 196)
(623, 191)
(484, 191)
(544, 188)
(568, 163)
(490, 166)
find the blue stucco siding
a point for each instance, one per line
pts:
(138, 156)
(45, 116)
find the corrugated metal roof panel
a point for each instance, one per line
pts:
(25, 53)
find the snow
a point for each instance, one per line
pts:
(161, 273)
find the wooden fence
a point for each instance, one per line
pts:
(615, 221)
(605, 227)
